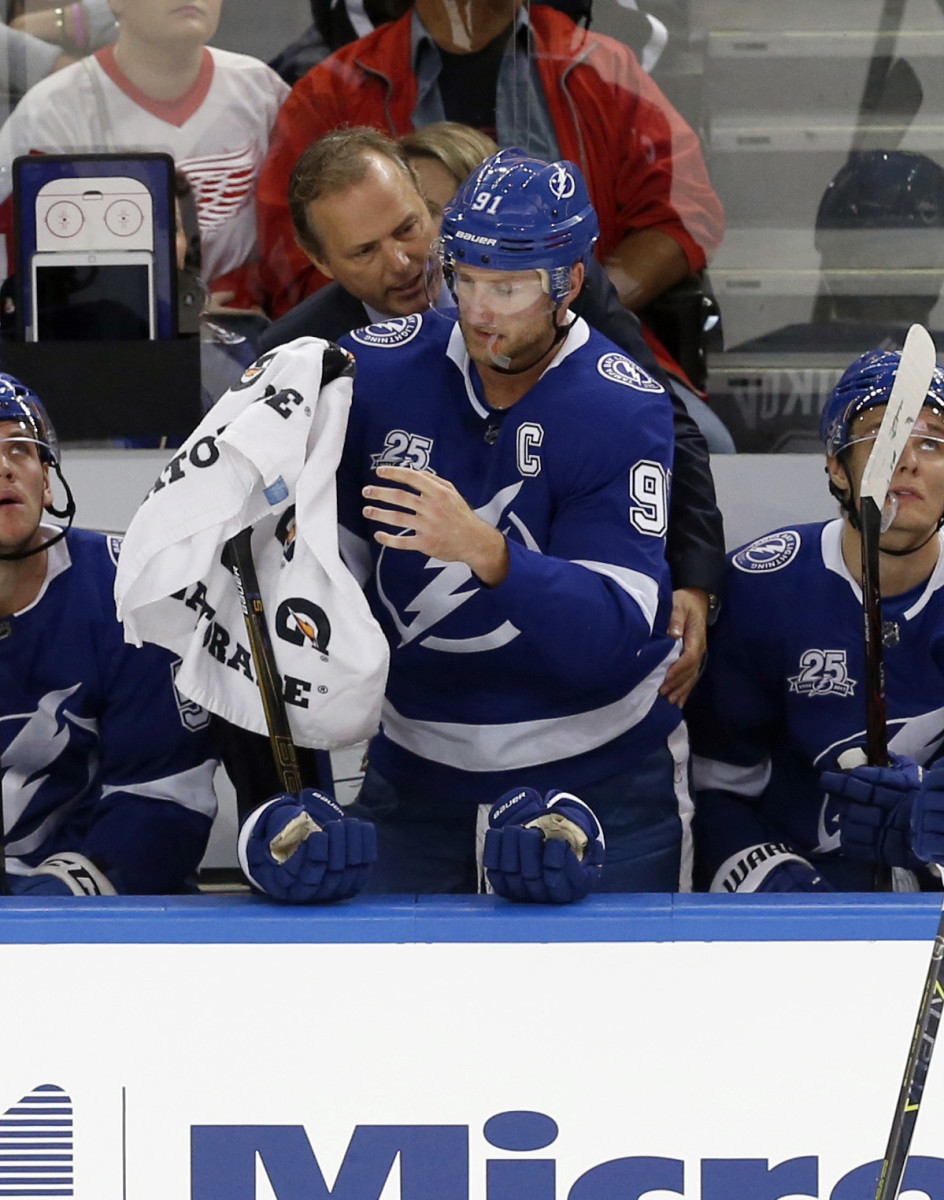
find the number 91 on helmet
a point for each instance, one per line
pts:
(511, 236)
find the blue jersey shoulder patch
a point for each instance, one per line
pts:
(114, 548)
(621, 369)
(396, 332)
(772, 552)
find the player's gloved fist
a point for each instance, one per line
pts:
(546, 850)
(927, 817)
(875, 806)
(303, 849)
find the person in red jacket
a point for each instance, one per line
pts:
(531, 77)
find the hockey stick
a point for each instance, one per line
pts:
(908, 394)
(916, 1073)
(237, 555)
(892, 89)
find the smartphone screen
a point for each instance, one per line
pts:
(89, 298)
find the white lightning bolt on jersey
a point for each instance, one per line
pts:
(564, 659)
(89, 725)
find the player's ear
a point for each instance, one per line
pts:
(837, 473)
(578, 273)
(47, 487)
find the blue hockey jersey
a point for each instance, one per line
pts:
(552, 677)
(783, 695)
(99, 753)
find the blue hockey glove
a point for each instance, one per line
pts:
(794, 876)
(304, 850)
(37, 885)
(927, 817)
(543, 851)
(876, 809)
(65, 874)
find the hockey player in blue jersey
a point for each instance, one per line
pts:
(782, 697)
(106, 772)
(504, 486)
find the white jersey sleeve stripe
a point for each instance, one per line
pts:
(191, 789)
(515, 745)
(709, 773)
(643, 588)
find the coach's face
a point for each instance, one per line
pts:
(375, 237)
(24, 488)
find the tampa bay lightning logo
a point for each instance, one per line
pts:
(396, 332)
(621, 369)
(562, 184)
(772, 552)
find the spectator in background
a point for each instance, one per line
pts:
(337, 22)
(442, 155)
(161, 88)
(35, 44)
(531, 77)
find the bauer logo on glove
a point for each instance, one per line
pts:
(546, 850)
(304, 850)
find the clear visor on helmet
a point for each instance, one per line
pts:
(927, 434)
(492, 305)
(18, 441)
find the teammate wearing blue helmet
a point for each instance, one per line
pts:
(504, 489)
(782, 699)
(106, 773)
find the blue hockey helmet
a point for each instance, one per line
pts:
(884, 189)
(20, 403)
(518, 213)
(864, 385)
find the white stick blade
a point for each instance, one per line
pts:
(908, 394)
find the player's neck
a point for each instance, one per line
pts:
(20, 582)
(161, 71)
(896, 573)
(504, 387)
(501, 390)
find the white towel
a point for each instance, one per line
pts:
(273, 441)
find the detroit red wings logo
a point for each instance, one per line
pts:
(223, 184)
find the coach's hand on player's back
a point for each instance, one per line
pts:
(543, 850)
(892, 814)
(304, 849)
